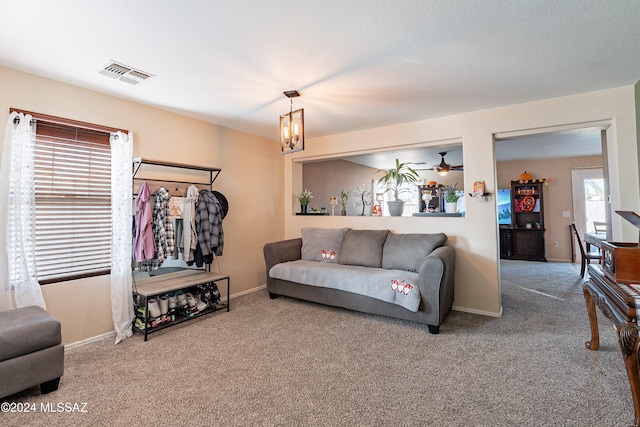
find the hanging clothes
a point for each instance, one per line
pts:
(208, 218)
(177, 228)
(163, 233)
(143, 245)
(189, 235)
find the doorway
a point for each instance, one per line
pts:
(552, 154)
(589, 204)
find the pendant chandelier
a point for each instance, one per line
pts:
(292, 127)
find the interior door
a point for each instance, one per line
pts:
(588, 198)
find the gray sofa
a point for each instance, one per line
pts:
(31, 350)
(405, 276)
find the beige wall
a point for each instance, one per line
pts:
(557, 196)
(251, 179)
(329, 178)
(475, 237)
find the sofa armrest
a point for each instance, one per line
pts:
(282, 251)
(436, 279)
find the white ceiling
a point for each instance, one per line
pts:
(358, 64)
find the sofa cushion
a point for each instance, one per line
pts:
(363, 247)
(322, 244)
(406, 251)
(26, 330)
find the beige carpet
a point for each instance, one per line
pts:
(286, 362)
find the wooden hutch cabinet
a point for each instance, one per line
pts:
(524, 239)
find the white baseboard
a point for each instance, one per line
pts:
(250, 291)
(89, 340)
(561, 260)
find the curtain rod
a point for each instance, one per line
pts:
(68, 122)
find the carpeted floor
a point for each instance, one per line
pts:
(287, 362)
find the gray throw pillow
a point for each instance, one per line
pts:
(405, 251)
(363, 247)
(322, 244)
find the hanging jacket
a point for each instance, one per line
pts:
(189, 235)
(162, 231)
(143, 246)
(208, 218)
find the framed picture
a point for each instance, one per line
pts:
(478, 188)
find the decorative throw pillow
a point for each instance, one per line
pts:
(322, 244)
(406, 251)
(363, 247)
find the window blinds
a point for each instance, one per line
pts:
(73, 202)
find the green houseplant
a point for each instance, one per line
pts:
(344, 196)
(394, 180)
(451, 197)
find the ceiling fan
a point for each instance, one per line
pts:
(444, 168)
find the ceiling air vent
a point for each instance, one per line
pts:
(124, 73)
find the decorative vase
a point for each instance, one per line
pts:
(395, 207)
(343, 212)
(451, 207)
(304, 208)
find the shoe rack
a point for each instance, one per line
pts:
(186, 281)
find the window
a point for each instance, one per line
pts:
(73, 202)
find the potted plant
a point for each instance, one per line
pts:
(344, 196)
(304, 197)
(451, 197)
(394, 180)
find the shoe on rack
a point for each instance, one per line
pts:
(140, 324)
(164, 309)
(205, 295)
(154, 308)
(193, 304)
(164, 304)
(182, 299)
(173, 302)
(184, 311)
(215, 293)
(200, 304)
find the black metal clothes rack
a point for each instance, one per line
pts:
(185, 280)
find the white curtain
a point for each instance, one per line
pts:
(121, 214)
(19, 287)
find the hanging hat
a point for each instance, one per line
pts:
(223, 202)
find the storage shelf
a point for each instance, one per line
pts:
(156, 286)
(519, 241)
(138, 162)
(179, 319)
(438, 214)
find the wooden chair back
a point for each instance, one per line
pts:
(586, 256)
(600, 227)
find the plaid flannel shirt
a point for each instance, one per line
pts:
(163, 232)
(208, 217)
